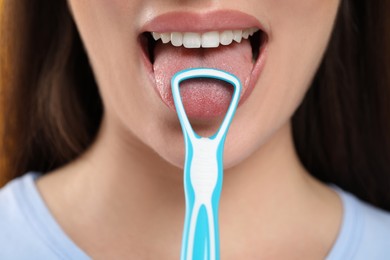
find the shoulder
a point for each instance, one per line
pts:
(375, 232)
(27, 228)
(365, 232)
(12, 220)
(18, 236)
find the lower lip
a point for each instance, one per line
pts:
(194, 106)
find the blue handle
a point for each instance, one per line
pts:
(203, 171)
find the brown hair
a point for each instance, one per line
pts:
(341, 130)
(52, 105)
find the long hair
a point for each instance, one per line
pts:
(342, 128)
(52, 108)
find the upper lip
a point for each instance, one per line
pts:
(218, 20)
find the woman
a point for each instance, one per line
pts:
(95, 151)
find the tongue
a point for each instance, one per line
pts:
(202, 98)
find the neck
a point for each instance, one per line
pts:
(133, 193)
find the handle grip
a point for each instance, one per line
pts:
(203, 184)
(203, 171)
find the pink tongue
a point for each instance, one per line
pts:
(202, 98)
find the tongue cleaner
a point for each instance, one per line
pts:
(203, 171)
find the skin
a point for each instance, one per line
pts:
(124, 197)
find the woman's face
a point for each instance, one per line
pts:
(133, 70)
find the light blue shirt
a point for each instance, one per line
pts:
(29, 231)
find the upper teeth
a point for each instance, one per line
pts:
(205, 40)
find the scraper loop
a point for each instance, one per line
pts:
(203, 171)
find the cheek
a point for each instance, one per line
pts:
(301, 30)
(108, 30)
(300, 33)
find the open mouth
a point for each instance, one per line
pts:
(238, 51)
(215, 39)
